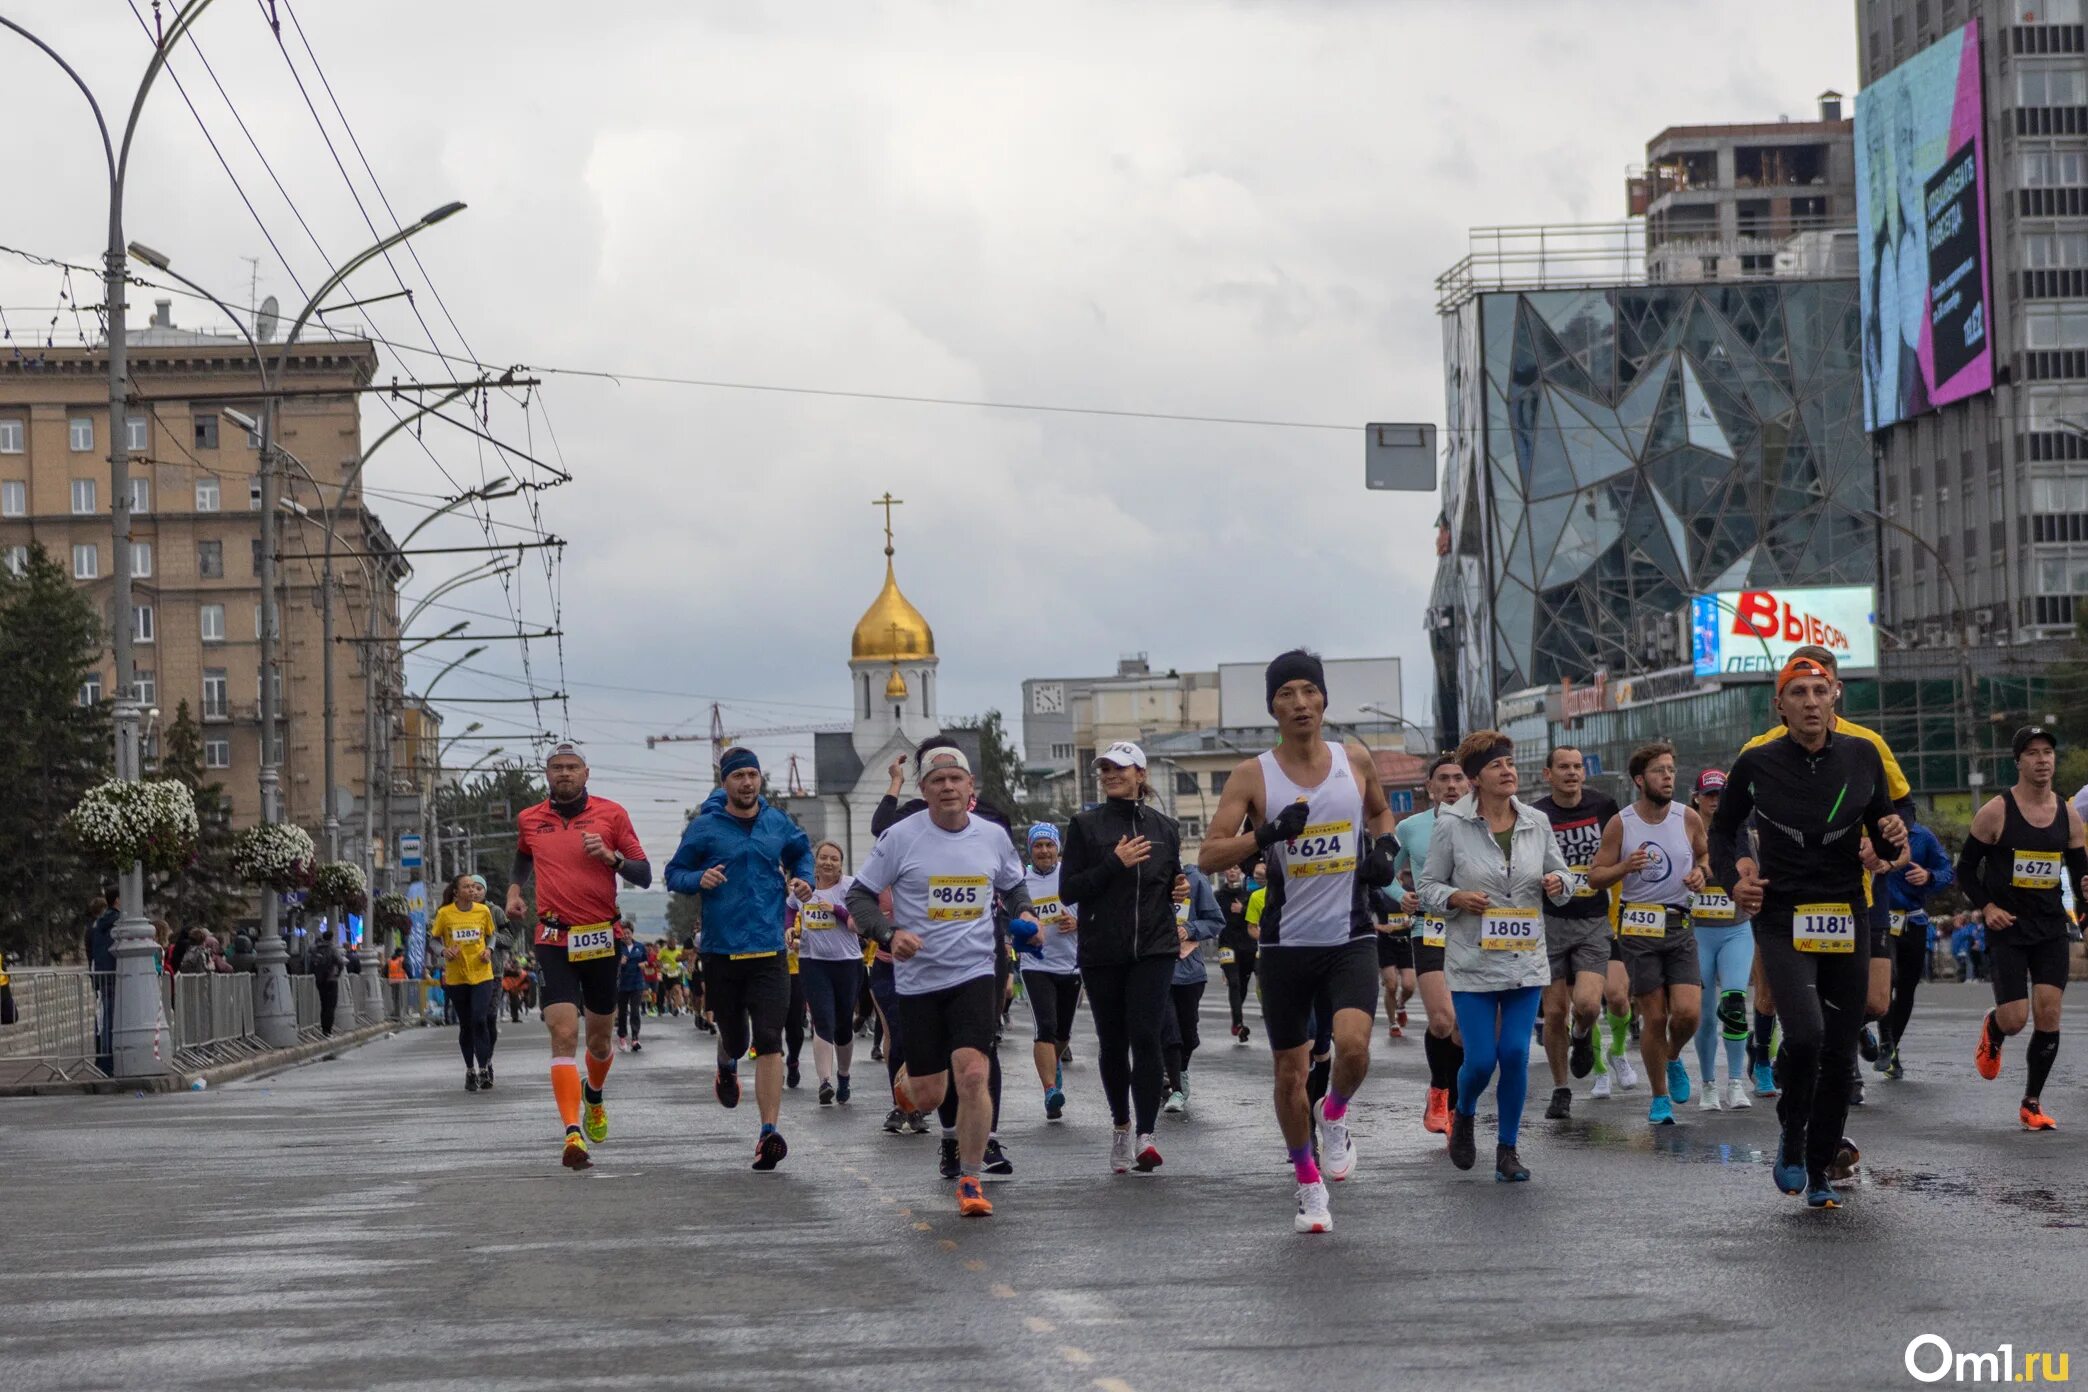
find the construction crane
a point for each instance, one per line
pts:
(720, 741)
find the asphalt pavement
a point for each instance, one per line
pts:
(362, 1222)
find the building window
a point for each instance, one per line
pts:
(141, 559)
(217, 753)
(2054, 168)
(216, 694)
(1185, 783)
(253, 437)
(90, 690)
(206, 495)
(254, 496)
(83, 497)
(14, 498)
(2057, 86)
(206, 431)
(254, 549)
(2062, 575)
(142, 626)
(136, 436)
(86, 560)
(141, 495)
(210, 560)
(2053, 326)
(17, 559)
(2052, 250)
(275, 630)
(144, 688)
(1218, 777)
(1061, 751)
(1192, 828)
(213, 623)
(80, 434)
(10, 437)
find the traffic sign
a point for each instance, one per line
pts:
(409, 850)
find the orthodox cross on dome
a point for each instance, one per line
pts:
(888, 502)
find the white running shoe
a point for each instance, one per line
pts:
(1601, 1091)
(1177, 1102)
(1707, 1099)
(1627, 1076)
(1337, 1147)
(1313, 1214)
(1735, 1096)
(1120, 1151)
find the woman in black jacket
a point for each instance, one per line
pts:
(1121, 865)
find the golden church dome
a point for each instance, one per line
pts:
(892, 630)
(895, 689)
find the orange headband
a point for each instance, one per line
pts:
(1800, 667)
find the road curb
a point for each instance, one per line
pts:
(274, 1061)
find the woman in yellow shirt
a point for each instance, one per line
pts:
(464, 928)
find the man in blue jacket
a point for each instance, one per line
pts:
(736, 854)
(1925, 872)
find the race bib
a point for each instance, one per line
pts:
(1712, 905)
(1182, 914)
(1828, 928)
(1431, 931)
(816, 917)
(1642, 921)
(1577, 878)
(1899, 923)
(465, 937)
(1226, 956)
(587, 944)
(1049, 910)
(2036, 870)
(1395, 923)
(1328, 848)
(1511, 930)
(956, 898)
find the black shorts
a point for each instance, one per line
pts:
(1395, 950)
(1054, 998)
(749, 997)
(2017, 968)
(1299, 982)
(591, 985)
(935, 1024)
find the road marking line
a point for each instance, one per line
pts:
(999, 1291)
(1039, 1326)
(1079, 1358)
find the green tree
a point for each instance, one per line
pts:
(52, 748)
(208, 894)
(486, 807)
(999, 773)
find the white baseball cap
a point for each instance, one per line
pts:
(1123, 754)
(943, 757)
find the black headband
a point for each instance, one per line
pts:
(1294, 666)
(1472, 763)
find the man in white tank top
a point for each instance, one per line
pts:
(1316, 813)
(1658, 851)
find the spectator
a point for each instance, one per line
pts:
(354, 959)
(323, 960)
(395, 967)
(244, 955)
(195, 953)
(101, 961)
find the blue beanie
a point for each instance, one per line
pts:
(1044, 831)
(735, 760)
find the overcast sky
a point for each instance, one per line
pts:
(1207, 209)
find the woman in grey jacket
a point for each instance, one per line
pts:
(1492, 863)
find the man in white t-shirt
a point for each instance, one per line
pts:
(943, 867)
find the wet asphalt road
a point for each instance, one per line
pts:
(363, 1223)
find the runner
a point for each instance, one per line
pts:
(830, 966)
(1576, 934)
(1051, 980)
(1725, 956)
(1395, 955)
(1443, 1045)
(1492, 865)
(1927, 872)
(463, 929)
(1197, 921)
(1657, 854)
(1318, 816)
(736, 853)
(1236, 946)
(1122, 861)
(796, 1014)
(575, 847)
(2009, 870)
(943, 867)
(667, 999)
(1811, 788)
(631, 991)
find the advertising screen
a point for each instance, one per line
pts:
(1754, 632)
(1921, 218)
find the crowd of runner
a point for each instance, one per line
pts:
(1772, 920)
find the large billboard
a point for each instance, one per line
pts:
(1921, 217)
(1754, 632)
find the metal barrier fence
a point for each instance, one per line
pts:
(59, 1030)
(210, 1017)
(304, 999)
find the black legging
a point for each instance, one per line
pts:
(794, 1019)
(1819, 1001)
(1909, 955)
(1181, 1037)
(474, 1021)
(630, 1012)
(1129, 1004)
(1238, 973)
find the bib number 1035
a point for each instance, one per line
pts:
(1826, 928)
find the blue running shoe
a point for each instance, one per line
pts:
(1789, 1174)
(1662, 1112)
(1765, 1082)
(1678, 1080)
(1054, 1104)
(1820, 1195)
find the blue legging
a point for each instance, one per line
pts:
(1726, 954)
(1496, 1026)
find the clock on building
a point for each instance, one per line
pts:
(1048, 698)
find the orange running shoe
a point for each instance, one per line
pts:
(2034, 1119)
(1437, 1117)
(1987, 1056)
(971, 1199)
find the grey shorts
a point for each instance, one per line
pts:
(1576, 945)
(1657, 963)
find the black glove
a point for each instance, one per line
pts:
(1376, 869)
(1287, 825)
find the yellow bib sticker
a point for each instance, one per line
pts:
(1828, 928)
(465, 937)
(1431, 931)
(816, 917)
(1511, 930)
(1577, 877)
(1899, 923)
(1712, 905)
(1395, 923)
(1048, 910)
(2036, 870)
(956, 898)
(1182, 913)
(1328, 848)
(1642, 921)
(586, 944)
(1226, 956)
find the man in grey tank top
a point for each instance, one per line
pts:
(1659, 853)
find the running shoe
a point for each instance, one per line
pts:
(971, 1199)
(1313, 1214)
(1707, 1099)
(1148, 1156)
(575, 1156)
(1561, 1107)
(792, 1077)
(1508, 1166)
(917, 1122)
(1867, 1043)
(1464, 1149)
(1177, 1102)
(1627, 1076)
(826, 1094)
(770, 1150)
(951, 1166)
(998, 1165)
(1886, 1052)
(1662, 1112)
(1436, 1117)
(1401, 1018)
(1337, 1146)
(1678, 1080)
(486, 1078)
(1894, 1069)
(2034, 1119)
(1855, 1092)
(637, 1047)
(1120, 1152)
(1601, 1091)
(594, 1119)
(877, 1053)
(895, 1121)
(1396, 1032)
(726, 1086)
(1736, 1096)
(1820, 1194)
(1066, 1055)
(1846, 1158)
(1986, 1057)
(1764, 1080)
(1241, 1034)
(1054, 1104)
(1580, 1055)
(841, 1090)
(471, 1081)
(1789, 1174)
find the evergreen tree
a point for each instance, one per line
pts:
(999, 774)
(52, 749)
(486, 807)
(207, 894)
